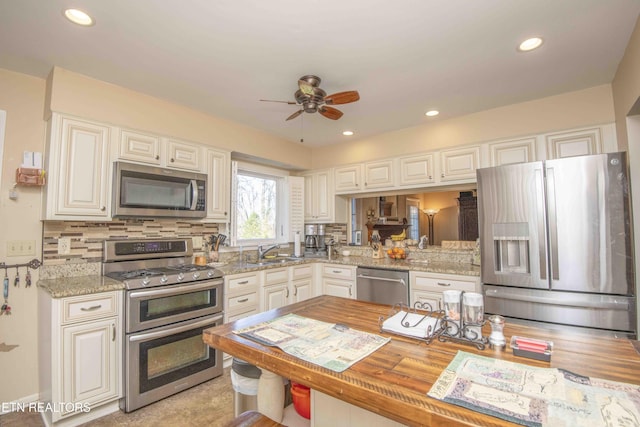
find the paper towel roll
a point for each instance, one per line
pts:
(296, 244)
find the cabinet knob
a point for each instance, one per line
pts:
(365, 184)
(430, 177)
(172, 160)
(441, 175)
(104, 208)
(157, 157)
(225, 214)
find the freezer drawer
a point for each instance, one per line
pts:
(609, 312)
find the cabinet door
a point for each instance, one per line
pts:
(218, 170)
(302, 290)
(183, 155)
(274, 296)
(139, 147)
(338, 288)
(322, 196)
(515, 151)
(348, 178)
(459, 164)
(416, 170)
(574, 143)
(434, 299)
(90, 361)
(83, 170)
(378, 174)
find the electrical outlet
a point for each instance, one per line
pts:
(64, 245)
(21, 247)
(197, 242)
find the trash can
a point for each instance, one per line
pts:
(244, 379)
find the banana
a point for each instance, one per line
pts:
(398, 237)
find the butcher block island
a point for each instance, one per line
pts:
(393, 381)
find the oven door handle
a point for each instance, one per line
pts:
(175, 330)
(171, 290)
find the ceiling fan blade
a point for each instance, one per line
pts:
(330, 112)
(342, 97)
(294, 115)
(284, 102)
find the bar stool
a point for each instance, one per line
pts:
(253, 419)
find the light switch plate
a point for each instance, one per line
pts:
(21, 247)
(64, 245)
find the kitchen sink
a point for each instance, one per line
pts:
(274, 261)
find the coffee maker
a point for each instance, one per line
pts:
(314, 243)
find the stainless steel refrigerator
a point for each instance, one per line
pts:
(556, 243)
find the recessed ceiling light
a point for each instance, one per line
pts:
(347, 133)
(78, 17)
(432, 113)
(530, 44)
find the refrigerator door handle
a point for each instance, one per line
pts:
(542, 252)
(610, 305)
(553, 223)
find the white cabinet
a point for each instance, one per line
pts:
(339, 280)
(275, 290)
(364, 177)
(574, 143)
(416, 170)
(81, 352)
(78, 170)
(241, 294)
(378, 175)
(348, 179)
(329, 411)
(459, 164)
(428, 287)
(321, 205)
(512, 151)
(142, 147)
(218, 185)
(301, 282)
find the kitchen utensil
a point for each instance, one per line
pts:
(16, 281)
(27, 278)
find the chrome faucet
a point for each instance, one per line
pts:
(263, 252)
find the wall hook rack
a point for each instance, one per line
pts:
(33, 264)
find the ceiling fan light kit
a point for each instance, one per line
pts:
(312, 99)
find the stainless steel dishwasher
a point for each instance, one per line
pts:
(382, 285)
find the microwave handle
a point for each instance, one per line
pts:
(194, 194)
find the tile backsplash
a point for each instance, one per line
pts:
(87, 237)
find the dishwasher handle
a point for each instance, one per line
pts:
(384, 279)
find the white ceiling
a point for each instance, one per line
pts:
(404, 57)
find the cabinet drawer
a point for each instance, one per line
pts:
(301, 271)
(277, 275)
(338, 271)
(242, 303)
(442, 283)
(242, 283)
(87, 307)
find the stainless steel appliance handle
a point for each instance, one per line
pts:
(384, 279)
(171, 290)
(615, 305)
(542, 253)
(553, 223)
(194, 194)
(175, 330)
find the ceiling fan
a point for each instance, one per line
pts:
(313, 99)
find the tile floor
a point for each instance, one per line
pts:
(209, 404)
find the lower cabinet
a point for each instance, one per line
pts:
(275, 290)
(80, 354)
(428, 287)
(329, 411)
(339, 280)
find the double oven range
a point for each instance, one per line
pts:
(169, 301)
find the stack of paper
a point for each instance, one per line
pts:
(420, 326)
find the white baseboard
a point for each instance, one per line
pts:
(17, 405)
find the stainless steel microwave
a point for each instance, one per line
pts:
(147, 191)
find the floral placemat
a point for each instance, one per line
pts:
(536, 396)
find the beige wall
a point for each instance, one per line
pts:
(626, 85)
(76, 94)
(22, 97)
(570, 110)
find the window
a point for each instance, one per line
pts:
(259, 212)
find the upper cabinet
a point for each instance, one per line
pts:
(512, 151)
(459, 163)
(320, 202)
(79, 173)
(364, 177)
(581, 142)
(416, 170)
(218, 185)
(147, 148)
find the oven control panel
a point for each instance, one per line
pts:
(134, 249)
(155, 247)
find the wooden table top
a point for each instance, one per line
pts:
(394, 380)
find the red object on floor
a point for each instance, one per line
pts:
(301, 399)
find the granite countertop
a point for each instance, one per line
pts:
(442, 267)
(79, 285)
(91, 283)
